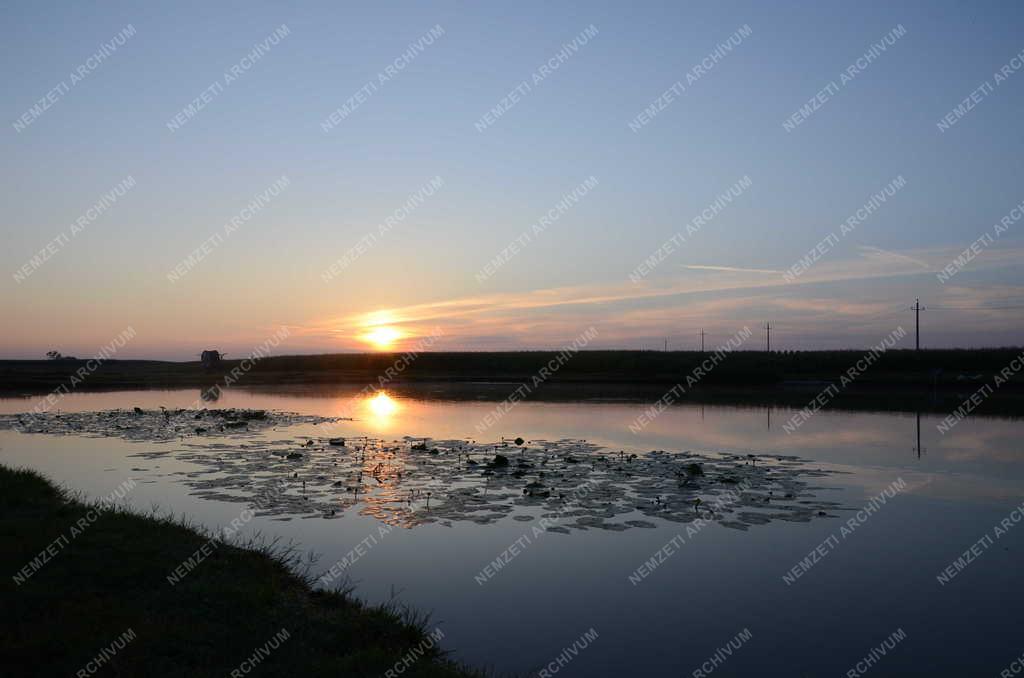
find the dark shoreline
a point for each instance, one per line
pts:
(936, 381)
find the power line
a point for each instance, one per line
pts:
(974, 308)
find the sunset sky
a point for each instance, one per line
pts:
(386, 186)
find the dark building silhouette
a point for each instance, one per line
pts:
(211, 359)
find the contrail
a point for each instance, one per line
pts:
(734, 269)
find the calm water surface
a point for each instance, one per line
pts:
(685, 616)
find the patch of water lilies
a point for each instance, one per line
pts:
(575, 484)
(154, 425)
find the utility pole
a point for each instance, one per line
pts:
(768, 336)
(702, 340)
(666, 344)
(917, 308)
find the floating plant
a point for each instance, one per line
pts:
(574, 484)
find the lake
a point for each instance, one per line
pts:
(849, 566)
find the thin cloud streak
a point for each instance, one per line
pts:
(731, 269)
(873, 264)
(896, 256)
(517, 319)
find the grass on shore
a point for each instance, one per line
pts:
(108, 581)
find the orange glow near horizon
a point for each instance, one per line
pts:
(382, 337)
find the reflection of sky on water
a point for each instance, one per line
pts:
(712, 427)
(984, 453)
(721, 581)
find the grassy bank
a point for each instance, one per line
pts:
(101, 602)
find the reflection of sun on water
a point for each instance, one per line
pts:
(382, 404)
(381, 408)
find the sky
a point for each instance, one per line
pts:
(468, 176)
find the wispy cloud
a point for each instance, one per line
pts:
(731, 269)
(833, 306)
(879, 253)
(722, 297)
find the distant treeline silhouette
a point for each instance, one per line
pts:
(941, 367)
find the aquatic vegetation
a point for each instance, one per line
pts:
(155, 425)
(573, 484)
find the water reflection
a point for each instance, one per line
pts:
(211, 394)
(381, 410)
(920, 450)
(959, 485)
(984, 447)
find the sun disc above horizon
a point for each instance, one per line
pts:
(382, 337)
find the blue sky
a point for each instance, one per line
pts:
(572, 125)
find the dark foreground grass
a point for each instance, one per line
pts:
(240, 612)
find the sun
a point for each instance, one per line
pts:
(382, 337)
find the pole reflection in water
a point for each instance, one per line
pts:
(918, 448)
